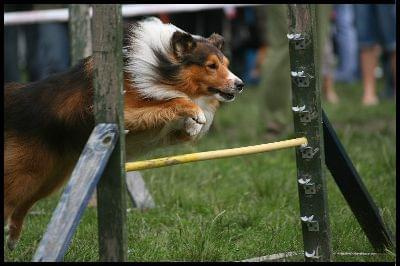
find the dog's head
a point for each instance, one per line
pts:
(165, 62)
(204, 67)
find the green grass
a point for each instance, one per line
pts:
(238, 208)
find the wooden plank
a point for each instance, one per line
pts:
(79, 32)
(76, 195)
(272, 257)
(285, 255)
(307, 122)
(108, 107)
(138, 192)
(354, 190)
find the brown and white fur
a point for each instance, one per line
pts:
(173, 84)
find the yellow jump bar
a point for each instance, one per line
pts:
(209, 155)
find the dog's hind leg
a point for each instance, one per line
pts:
(8, 209)
(16, 222)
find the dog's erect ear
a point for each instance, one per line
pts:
(217, 40)
(182, 43)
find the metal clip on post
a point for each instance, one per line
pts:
(305, 115)
(309, 187)
(312, 224)
(300, 41)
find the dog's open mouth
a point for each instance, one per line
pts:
(224, 95)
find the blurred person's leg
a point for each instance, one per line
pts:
(328, 61)
(275, 78)
(11, 70)
(325, 53)
(366, 23)
(325, 50)
(346, 39)
(53, 49)
(369, 62)
(251, 57)
(259, 60)
(275, 75)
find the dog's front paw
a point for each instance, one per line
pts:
(193, 125)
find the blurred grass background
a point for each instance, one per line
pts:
(243, 207)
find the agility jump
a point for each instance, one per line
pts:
(212, 155)
(318, 145)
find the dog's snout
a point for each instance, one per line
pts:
(236, 83)
(239, 85)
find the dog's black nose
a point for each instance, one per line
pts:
(239, 85)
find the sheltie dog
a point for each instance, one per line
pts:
(173, 84)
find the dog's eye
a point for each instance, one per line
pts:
(212, 66)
